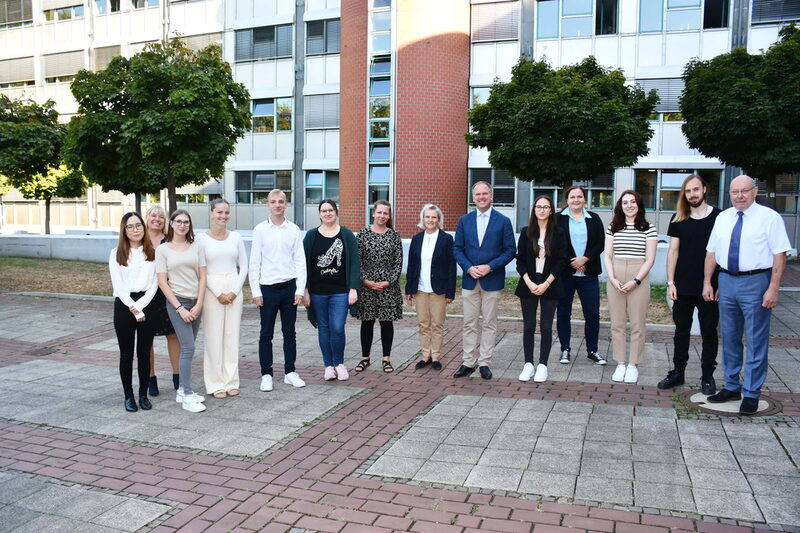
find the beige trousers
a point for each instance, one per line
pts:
(634, 304)
(221, 324)
(431, 309)
(479, 302)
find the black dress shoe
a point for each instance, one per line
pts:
(437, 365)
(486, 373)
(152, 386)
(463, 370)
(749, 406)
(422, 363)
(144, 403)
(709, 386)
(673, 379)
(176, 378)
(130, 405)
(724, 396)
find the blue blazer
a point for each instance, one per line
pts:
(443, 265)
(497, 250)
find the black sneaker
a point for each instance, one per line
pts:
(596, 357)
(749, 406)
(564, 357)
(152, 386)
(674, 379)
(724, 395)
(709, 386)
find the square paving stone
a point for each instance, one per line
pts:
(19, 487)
(131, 515)
(574, 407)
(457, 454)
(604, 490)
(519, 428)
(492, 477)
(12, 517)
(555, 464)
(479, 425)
(467, 438)
(758, 464)
(548, 484)
(491, 413)
(752, 431)
(506, 441)
(655, 436)
(413, 448)
(749, 446)
(611, 409)
(596, 448)
(450, 410)
(702, 441)
(563, 431)
(59, 524)
(788, 434)
(460, 399)
(722, 460)
(767, 485)
(664, 473)
(607, 433)
(607, 468)
(435, 435)
(656, 412)
(710, 478)
(649, 453)
(727, 504)
(603, 420)
(706, 427)
(780, 510)
(663, 496)
(439, 421)
(70, 502)
(568, 417)
(393, 466)
(559, 446)
(505, 458)
(441, 472)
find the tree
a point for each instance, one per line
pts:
(31, 143)
(574, 123)
(165, 118)
(745, 109)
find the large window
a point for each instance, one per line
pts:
(64, 13)
(380, 27)
(770, 11)
(272, 114)
(137, 4)
(682, 15)
(321, 184)
(787, 193)
(16, 72)
(322, 111)
(267, 42)
(575, 18)
(322, 37)
(664, 185)
(253, 186)
(503, 185)
(107, 6)
(495, 22)
(15, 13)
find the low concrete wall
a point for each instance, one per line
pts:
(96, 248)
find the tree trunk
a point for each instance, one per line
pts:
(173, 204)
(138, 197)
(2, 213)
(47, 216)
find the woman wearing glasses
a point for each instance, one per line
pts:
(133, 277)
(541, 261)
(181, 270)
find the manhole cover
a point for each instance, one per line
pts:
(766, 405)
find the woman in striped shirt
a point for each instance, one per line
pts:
(629, 255)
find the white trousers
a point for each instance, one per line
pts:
(221, 325)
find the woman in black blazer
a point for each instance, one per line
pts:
(431, 282)
(541, 260)
(585, 237)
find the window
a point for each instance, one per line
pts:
(715, 14)
(267, 120)
(379, 152)
(669, 91)
(605, 21)
(769, 11)
(379, 179)
(503, 185)
(495, 22)
(322, 37)
(63, 13)
(268, 42)
(666, 186)
(381, 65)
(381, 3)
(683, 15)
(16, 72)
(547, 19)
(104, 55)
(480, 95)
(15, 13)
(107, 6)
(651, 15)
(380, 27)
(62, 67)
(322, 184)
(575, 18)
(321, 111)
(195, 198)
(645, 185)
(136, 4)
(254, 186)
(670, 188)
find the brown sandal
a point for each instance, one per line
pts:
(220, 394)
(362, 365)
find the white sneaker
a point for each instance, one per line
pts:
(541, 373)
(266, 383)
(527, 372)
(631, 374)
(192, 405)
(619, 373)
(179, 396)
(294, 380)
(341, 373)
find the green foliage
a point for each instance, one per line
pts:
(745, 109)
(562, 125)
(166, 117)
(60, 182)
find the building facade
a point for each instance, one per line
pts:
(360, 100)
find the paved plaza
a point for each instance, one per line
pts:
(416, 450)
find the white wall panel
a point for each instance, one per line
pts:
(507, 57)
(22, 39)
(681, 47)
(606, 50)
(549, 51)
(650, 50)
(673, 142)
(264, 8)
(761, 37)
(243, 73)
(575, 50)
(284, 145)
(244, 8)
(264, 146)
(315, 144)
(264, 74)
(628, 54)
(284, 72)
(285, 7)
(315, 70)
(244, 148)
(654, 144)
(332, 144)
(65, 34)
(483, 58)
(478, 157)
(332, 62)
(628, 16)
(715, 43)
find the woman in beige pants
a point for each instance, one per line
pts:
(630, 252)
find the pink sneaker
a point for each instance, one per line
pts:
(341, 373)
(330, 373)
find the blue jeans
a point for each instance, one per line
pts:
(331, 311)
(740, 310)
(588, 288)
(275, 301)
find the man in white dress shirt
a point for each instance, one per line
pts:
(749, 243)
(277, 281)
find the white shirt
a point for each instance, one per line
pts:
(223, 257)
(426, 259)
(138, 276)
(483, 223)
(763, 236)
(277, 256)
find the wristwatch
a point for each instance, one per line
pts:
(670, 283)
(638, 281)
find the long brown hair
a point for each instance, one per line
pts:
(684, 210)
(639, 222)
(533, 226)
(389, 223)
(124, 244)
(171, 232)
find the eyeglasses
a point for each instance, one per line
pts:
(181, 222)
(134, 227)
(542, 207)
(737, 192)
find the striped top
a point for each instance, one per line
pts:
(630, 243)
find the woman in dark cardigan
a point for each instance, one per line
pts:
(334, 275)
(585, 237)
(541, 260)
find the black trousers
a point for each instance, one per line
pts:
(682, 314)
(529, 305)
(128, 329)
(387, 336)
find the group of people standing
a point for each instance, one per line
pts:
(164, 284)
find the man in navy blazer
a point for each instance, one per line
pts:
(484, 245)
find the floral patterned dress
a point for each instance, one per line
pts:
(381, 260)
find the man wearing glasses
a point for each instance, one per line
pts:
(749, 243)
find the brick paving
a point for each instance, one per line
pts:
(315, 479)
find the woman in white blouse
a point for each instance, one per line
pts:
(226, 270)
(133, 277)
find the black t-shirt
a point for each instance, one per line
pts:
(693, 234)
(327, 262)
